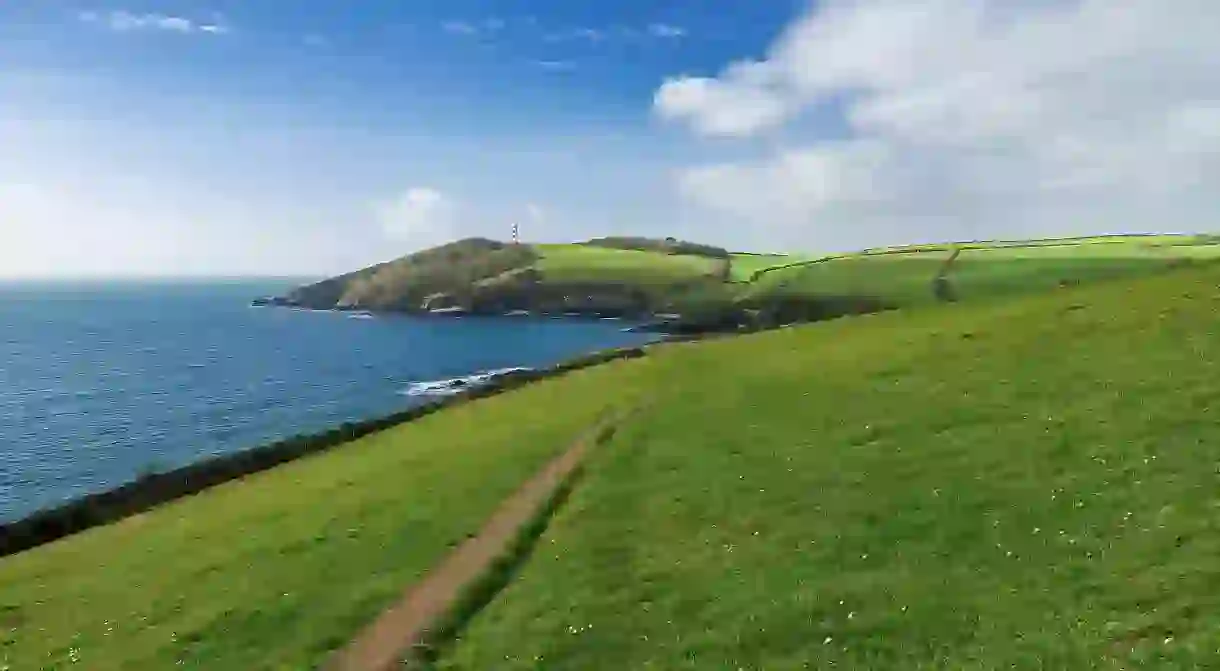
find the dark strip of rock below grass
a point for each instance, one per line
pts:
(154, 489)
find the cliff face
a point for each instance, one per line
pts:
(483, 276)
(634, 278)
(437, 277)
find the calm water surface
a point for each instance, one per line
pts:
(99, 382)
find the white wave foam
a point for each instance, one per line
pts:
(456, 385)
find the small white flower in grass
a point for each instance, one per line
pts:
(827, 640)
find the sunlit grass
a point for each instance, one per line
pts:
(273, 571)
(744, 266)
(1025, 485)
(587, 263)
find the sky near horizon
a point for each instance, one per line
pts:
(226, 137)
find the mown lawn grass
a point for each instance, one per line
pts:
(1026, 485)
(592, 264)
(273, 571)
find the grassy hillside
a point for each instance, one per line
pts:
(592, 264)
(903, 276)
(745, 266)
(273, 571)
(639, 277)
(1024, 485)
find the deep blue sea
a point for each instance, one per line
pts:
(102, 381)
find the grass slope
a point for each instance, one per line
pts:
(902, 276)
(898, 279)
(638, 276)
(1026, 485)
(273, 571)
(744, 266)
(592, 264)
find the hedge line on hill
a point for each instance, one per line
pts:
(151, 490)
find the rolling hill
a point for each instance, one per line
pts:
(1018, 482)
(713, 289)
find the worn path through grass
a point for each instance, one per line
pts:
(276, 570)
(407, 628)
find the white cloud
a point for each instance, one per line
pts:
(420, 216)
(556, 66)
(969, 116)
(460, 28)
(666, 30)
(736, 104)
(593, 35)
(590, 34)
(123, 21)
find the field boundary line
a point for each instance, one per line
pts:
(465, 579)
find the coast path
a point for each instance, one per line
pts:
(404, 628)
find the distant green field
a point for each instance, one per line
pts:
(1102, 250)
(1025, 483)
(273, 571)
(897, 278)
(581, 263)
(745, 265)
(903, 276)
(1020, 485)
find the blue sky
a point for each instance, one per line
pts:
(235, 137)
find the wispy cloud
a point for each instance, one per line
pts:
(556, 65)
(124, 21)
(420, 215)
(588, 34)
(666, 30)
(460, 28)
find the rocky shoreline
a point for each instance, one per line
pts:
(650, 323)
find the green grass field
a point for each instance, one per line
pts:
(1025, 485)
(901, 279)
(985, 271)
(745, 265)
(273, 571)
(581, 263)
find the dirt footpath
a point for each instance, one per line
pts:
(384, 644)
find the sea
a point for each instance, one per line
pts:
(103, 381)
